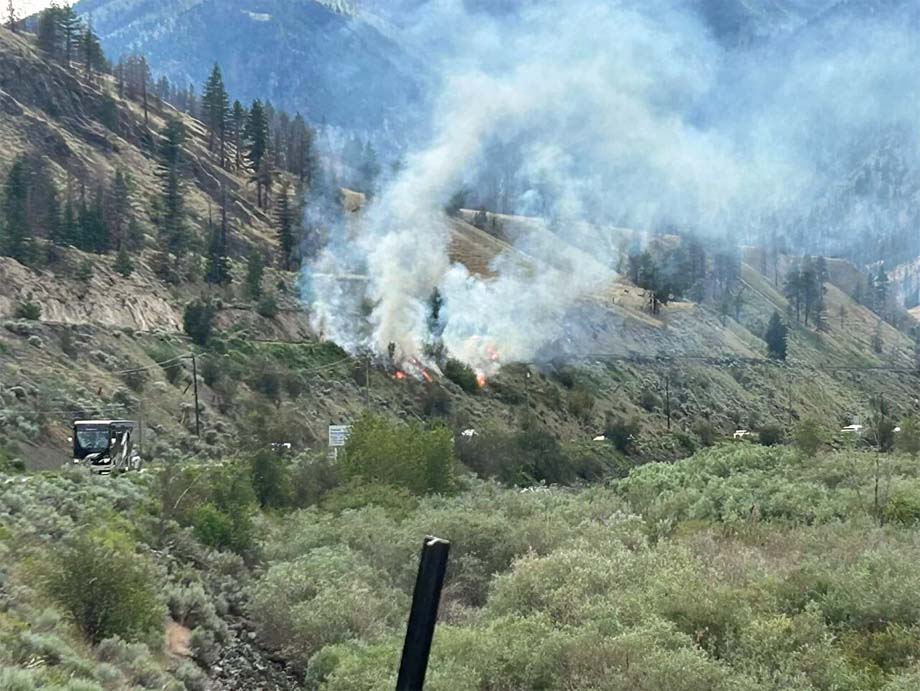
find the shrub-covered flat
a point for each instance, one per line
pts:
(741, 568)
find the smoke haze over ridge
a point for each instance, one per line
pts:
(627, 113)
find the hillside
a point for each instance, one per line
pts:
(96, 324)
(302, 55)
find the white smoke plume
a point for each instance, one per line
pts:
(626, 112)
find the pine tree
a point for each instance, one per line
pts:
(792, 289)
(218, 272)
(172, 219)
(215, 107)
(54, 229)
(70, 228)
(123, 263)
(12, 20)
(237, 124)
(119, 216)
(777, 337)
(93, 57)
(71, 29)
(17, 237)
(285, 223)
(48, 33)
(256, 139)
(255, 269)
(881, 288)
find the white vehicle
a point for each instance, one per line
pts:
(742, 434)
(853, 429)
(106, 447)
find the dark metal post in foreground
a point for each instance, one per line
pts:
(424, 615)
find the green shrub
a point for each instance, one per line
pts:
(649, 401)
(435, 402)
(31, 311)
(772, 435)
(410, 456)
(622, 433)
(271, 480)
(198, 320)
(809, 436)
(105, 586)
(311, 479)
(706, 432)
(461, 375)
(581, 403)
(268, 306)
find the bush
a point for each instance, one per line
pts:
(622, 433)
(581, 403)
(410, 456)
(268, 383)
(772, 435)
(135, 380)
(435, 402)
(198, 320)
(311, 479)
(271, 480)
(706, 432)
(809, 436)
(106, 587)
(649, 401)
(268, 306)
(461, 375)
(31, 311)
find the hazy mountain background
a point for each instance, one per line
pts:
(374, 67)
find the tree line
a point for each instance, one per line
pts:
(269, 147)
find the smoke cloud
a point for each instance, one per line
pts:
(591, 114)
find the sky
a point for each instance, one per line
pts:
(26, 7)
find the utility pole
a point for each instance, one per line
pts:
(367, 381)
(667, 398)
(195, 383)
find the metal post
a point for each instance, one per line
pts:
(367, 381)
(424, 615)
(195, 382)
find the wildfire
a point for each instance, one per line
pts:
(481, 380)
(414, 369)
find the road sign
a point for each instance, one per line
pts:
(338, 435)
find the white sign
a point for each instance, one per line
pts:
(338, 435)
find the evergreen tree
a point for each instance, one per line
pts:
(237, 124)
(881, 288)
(123, 263)
(17, 237)
(256, 141)
(48, 33)
(172, 218)
(71, 31)
(94, 234)
(93, 57)
(70, 227)
(215, 106)
(255, 269)
(777, 336)
(792, 289)
(218, 272)
(285, 223)
(119, 214)
(54, 228)
(12, 20)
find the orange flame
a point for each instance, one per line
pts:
(481, 380)
(400, 375)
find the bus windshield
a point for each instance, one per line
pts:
(91, 439)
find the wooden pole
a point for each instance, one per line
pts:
(424, 615)
(195, 382)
